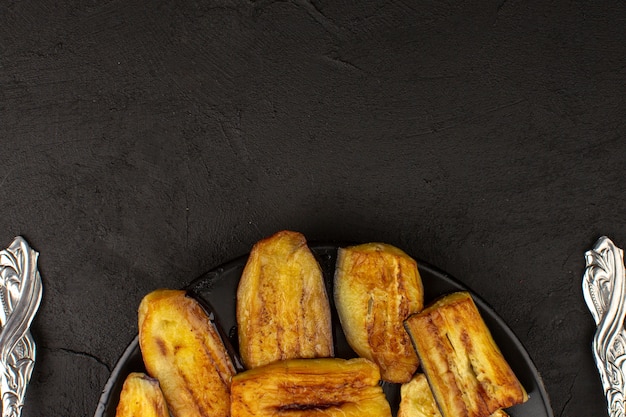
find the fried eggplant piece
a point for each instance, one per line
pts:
(377, 286)
(283, 311)
(183, 349)
(328, 387)
(416, 400)
(141, 396)
(466, 371)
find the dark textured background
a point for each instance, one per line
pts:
(143, 143)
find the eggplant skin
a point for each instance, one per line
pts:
(467, 373)
(377, 286)
(283, 311)
(141, 396)
(416, 400)
(184, 351)
(310, 388)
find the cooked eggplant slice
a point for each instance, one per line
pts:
(184, 351)
(467, 373)
(283, 310)
(416, 400)
(141, 396)
(309, 388)
(377, 286)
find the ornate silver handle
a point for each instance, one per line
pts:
(20, 295)
(604, 288)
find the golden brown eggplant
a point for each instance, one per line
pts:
(326, 387)
(283, 310)
(141, 396)
(184, 351)
(377, 286)
(466, 371)
(416, 400)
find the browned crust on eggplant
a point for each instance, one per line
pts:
(283, 311)
(467, 373)
(377, 286)
(184, 351)
(310, 387)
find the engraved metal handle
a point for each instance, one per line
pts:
(604, 288)
(20, 295)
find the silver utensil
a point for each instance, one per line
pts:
(20, 295)
(604, 289)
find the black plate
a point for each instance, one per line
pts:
(219, 286)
